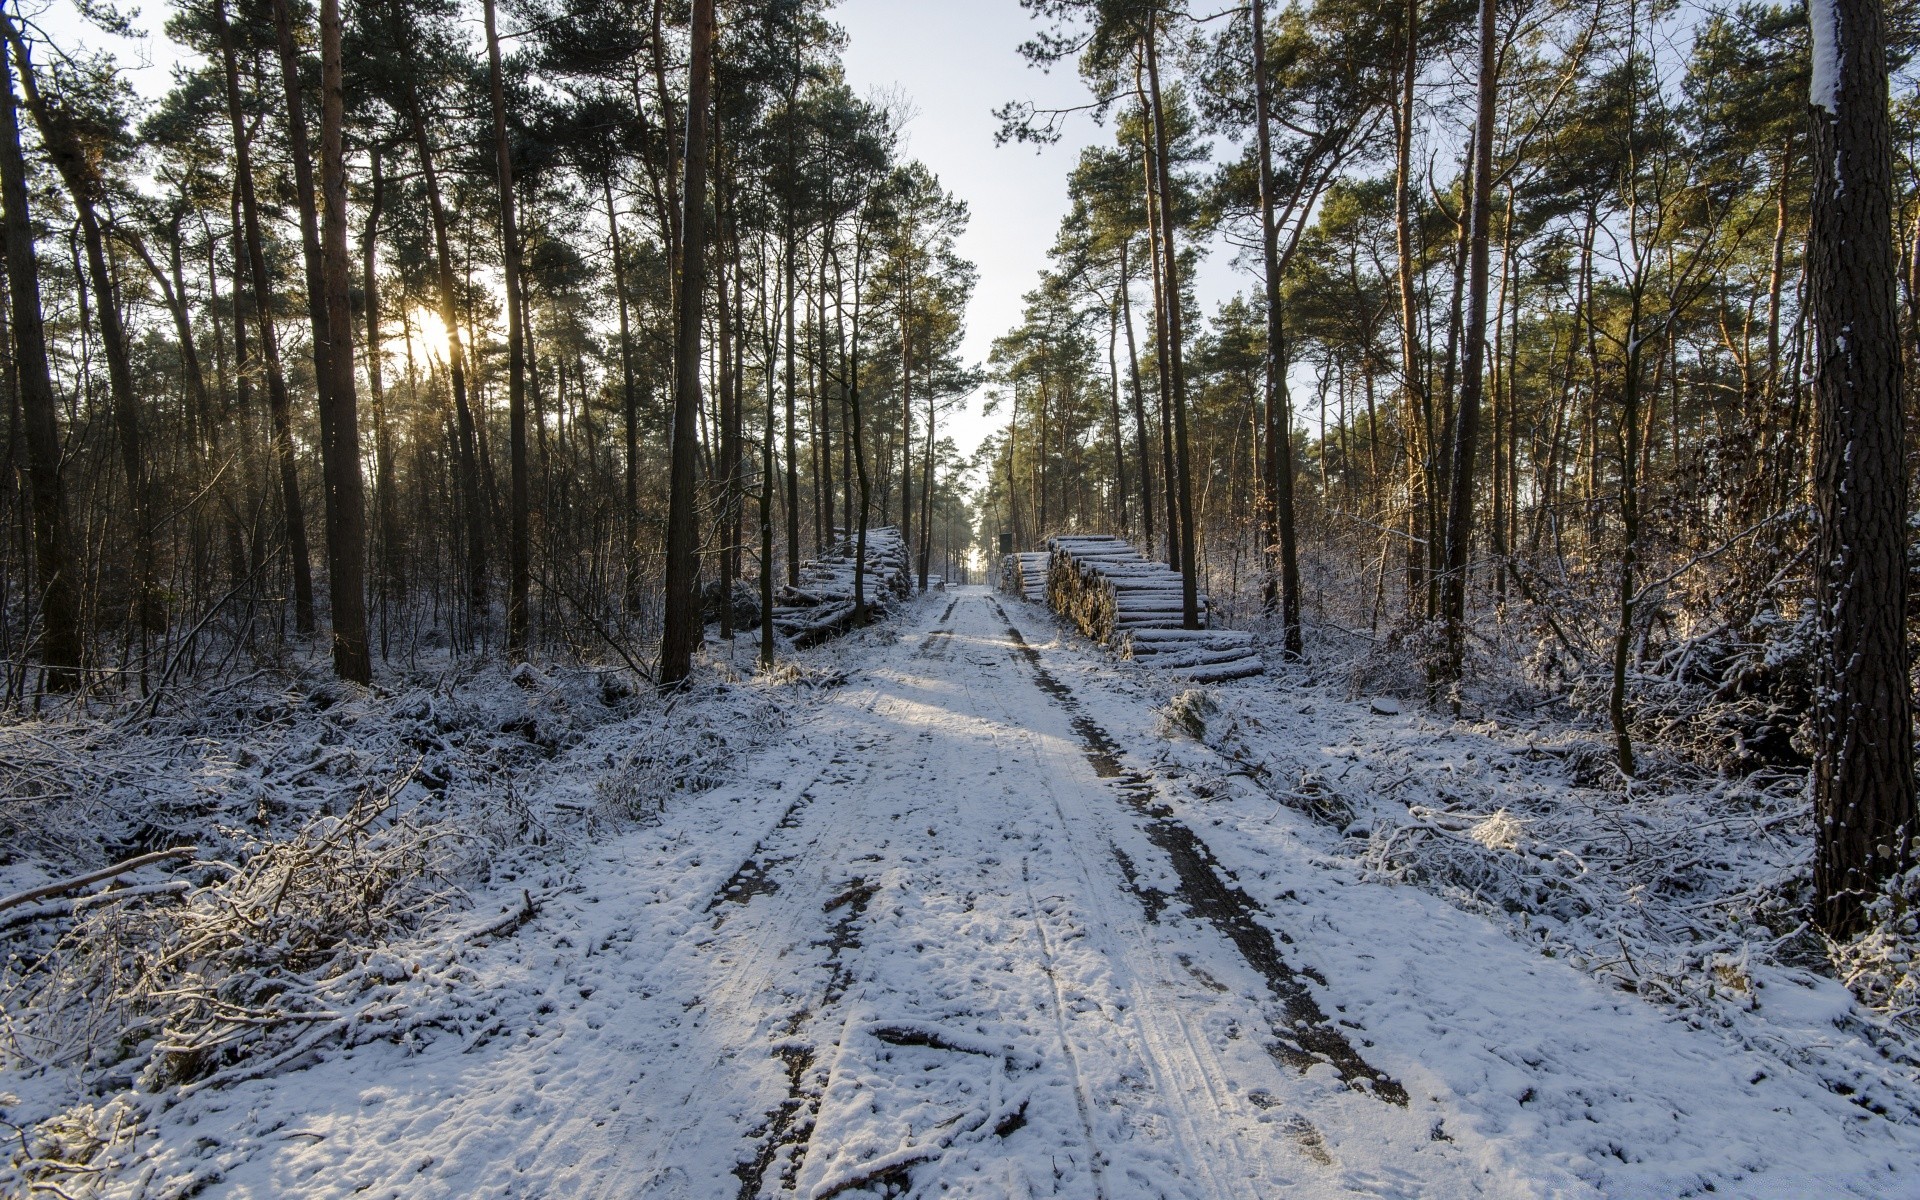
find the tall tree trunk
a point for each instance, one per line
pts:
(906, 419)
(1122, 524)
(393, 550)
(279, 406)
(1156, 254)
(1863, 784)
(790, 302)
(1279, 434)
(60, 640)
(729, 324)
(682, 631)
(1417, 418)
(770, 336)
(1466, 428)
(1139, 400)
(823, 517)
(1176, 370)
(254, 484)
(1503, 396)
(294, 95)
(629, 403)
(519, 520)
(857, 422)
(734, 461)
(926, 497)
(340, 423)
(1629, 530)
(467, 448)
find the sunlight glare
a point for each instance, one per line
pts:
(430, 332)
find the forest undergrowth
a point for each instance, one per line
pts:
(1688, 884)
(312, 856)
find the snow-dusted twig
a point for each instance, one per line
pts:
(79, 881)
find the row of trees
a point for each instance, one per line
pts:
(564, 310)
(1595, 340)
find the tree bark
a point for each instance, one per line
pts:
(1863, 782)
(1176, 370)
(682, 630)
(519, 520)
(339, 406)
(629, 400)
(790, 302)
(1139, 400)
(770, 336)
(1281, 539)
(392, 555)
(1418, 407)
(1169, 484)
(1123, 525)
(60, 640)
(1466, 426)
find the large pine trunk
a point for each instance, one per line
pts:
(1283, 567)
(339, 408)
(1863, 759)
(392, 553)
(519, 534)
(1176, 369)
(682, 630)
(60, 642)
(1466, 430)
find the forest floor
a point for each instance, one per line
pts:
(982, 922)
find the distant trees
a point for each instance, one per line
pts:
(484, 223)
(1568, 341)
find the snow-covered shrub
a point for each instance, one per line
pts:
(173, 992)
(1882, 965)
(1187, 713)
(696, 741)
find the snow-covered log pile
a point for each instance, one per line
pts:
(1202, 655)
(821, 605)
(1115, 595)
(1025, 575)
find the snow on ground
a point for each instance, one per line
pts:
(974, 925)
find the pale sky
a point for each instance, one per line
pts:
(958, 61)
(955, 61)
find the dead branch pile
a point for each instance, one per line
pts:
(202, 979)
(820, 606)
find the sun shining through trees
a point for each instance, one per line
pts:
(430, 334)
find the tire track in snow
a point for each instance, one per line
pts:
(1080, 1098)
(1219, 1146)
(1306, 1037)
(784, 1137)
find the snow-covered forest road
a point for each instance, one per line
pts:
(959, 934)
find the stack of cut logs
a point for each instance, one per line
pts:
(1025, 575)
(820, 606)
(1116, 595)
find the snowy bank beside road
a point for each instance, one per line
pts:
(1680, 899)
(352, 852)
